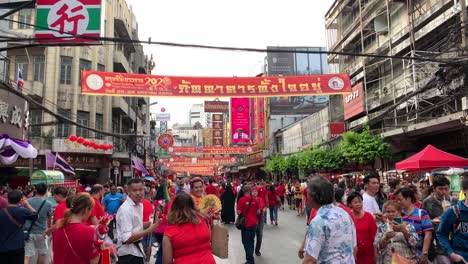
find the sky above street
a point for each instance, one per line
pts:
(241, 23)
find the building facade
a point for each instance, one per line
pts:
(414, 96)
(197, 114)
(52, 76)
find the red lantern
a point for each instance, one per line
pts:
(86, 143)
(80, 140)
(91, 144)
(95, 145)
(111, 146)
(72, 138)
(102, 147)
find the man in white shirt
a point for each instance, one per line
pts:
(187, 185)
(130, 226)
(369, 204)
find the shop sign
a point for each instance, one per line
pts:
(123, 84)
(254, 157)
(89, 161)
(14, 115)
(228, 160)
(353, 103)
(76, 17)
(336, 129)
(64, 145)
(216, 107)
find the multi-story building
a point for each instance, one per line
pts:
(284, 112)
(416, 93)
(197, 114)
(52, 76)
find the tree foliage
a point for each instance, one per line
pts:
(363, 147)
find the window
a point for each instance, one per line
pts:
(39, 68)
(24, 16)
(99, 125)
(35, 117)
(10, 23)
(84, 65)
(82, 119)
(6, 70)
(101, 67)
(65, 69)
(22, 63)
(63, 130)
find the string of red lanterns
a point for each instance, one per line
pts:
(90, 143)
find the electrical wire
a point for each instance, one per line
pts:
(181, 45)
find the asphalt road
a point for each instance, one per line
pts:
(280, 243)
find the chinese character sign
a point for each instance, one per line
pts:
(218, 129)
(122, 84)
(14, 115)
(62, 20)
(240, 120)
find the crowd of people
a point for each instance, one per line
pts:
(377, 223)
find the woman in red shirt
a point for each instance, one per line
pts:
(273, 202)
(366, 229)
(74, 239)
(187, 237)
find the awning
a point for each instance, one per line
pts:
(431, 158)
(47, 177)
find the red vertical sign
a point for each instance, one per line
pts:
(261, 119)
(255, 120)
(218, 129)
(240, 120)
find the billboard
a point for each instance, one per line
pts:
(292, 63)
(216, 107)
(139, 85)
(80, 17)
(353, 103)
(240, 120)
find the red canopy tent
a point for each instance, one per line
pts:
(430, 158)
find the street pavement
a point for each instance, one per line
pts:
(280, 243)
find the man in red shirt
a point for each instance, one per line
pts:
(280, 191)
(262, 193)
(97, 192)
(250, 208)
(260, 225)
(210, 189)
(60, 196)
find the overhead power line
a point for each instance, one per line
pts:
(181, 45)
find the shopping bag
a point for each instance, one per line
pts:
(105, 256)
(219, 241)
(398, 259)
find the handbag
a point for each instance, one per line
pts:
(241, 220)
(27, 233)
(219, 241)
(398, 259)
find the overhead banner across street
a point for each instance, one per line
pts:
(228, 160)
(123, 84)
(210, 150)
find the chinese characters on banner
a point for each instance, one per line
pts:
(210, 150)
(59, 20)
(240, 120)
(123, 84)
(218, 129)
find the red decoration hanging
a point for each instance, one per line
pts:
(80, 140)
(72, 138)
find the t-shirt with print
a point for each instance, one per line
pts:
(112, 202)
(41, 223)
(331, 236)
(251, 214)
(421, 221)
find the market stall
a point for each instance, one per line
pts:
(429, 159)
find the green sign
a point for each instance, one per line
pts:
(455, 183)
